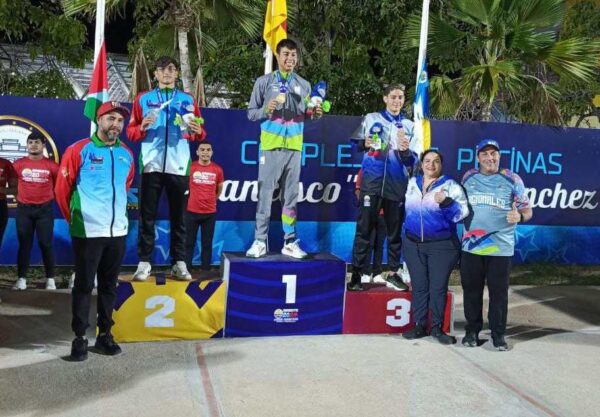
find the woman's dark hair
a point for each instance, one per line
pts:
(435, 151)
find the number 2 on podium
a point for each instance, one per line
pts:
(290, 288)
(160, 318)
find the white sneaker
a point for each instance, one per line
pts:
(142, 272)
(21, 284)
(50, 284)
(96, 281)
(294, 250)
(258, 249)
(365, 279)
(378, 279)
(180, 271)
(403, 272)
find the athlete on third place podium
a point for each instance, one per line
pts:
(387, 165)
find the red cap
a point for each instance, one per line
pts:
(111, 106)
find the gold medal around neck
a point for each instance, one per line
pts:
(280, 98)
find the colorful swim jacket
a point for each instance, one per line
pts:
(284, 128)
(92, 185)
(165, 147)
(427, 220)
(386, 171)
(491, 197)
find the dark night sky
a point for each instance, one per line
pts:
(117, 32)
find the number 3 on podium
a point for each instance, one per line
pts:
(290, 288)
(400, 307)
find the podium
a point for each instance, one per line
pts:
(379, 309)
(280, 296)
(165, 309)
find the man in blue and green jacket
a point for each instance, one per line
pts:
(164, 120)
(279, 101)
(91, 191)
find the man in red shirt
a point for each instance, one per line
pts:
(206, 183)
(8, 186)
(35, 193)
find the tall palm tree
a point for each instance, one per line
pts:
(502, 53)
(181, 20)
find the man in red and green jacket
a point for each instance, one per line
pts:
(91, 191)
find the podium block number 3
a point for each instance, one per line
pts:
(290, 288)
(401, 309)
(159, 317)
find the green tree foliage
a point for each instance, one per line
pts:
(355, 46)
(175, 27)
(47, 83)
(44, 30)
(575, 99)
(504, 54)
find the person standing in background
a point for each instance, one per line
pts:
(206, 184)
(35, 196)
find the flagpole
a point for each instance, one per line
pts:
(268, 59)
(99, 36)
(98, 40)
(420, 109)
(268, 50)
(423, 39)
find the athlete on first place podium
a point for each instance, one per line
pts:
(278, 101)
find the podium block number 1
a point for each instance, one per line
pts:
(159, 317)
(290, 288)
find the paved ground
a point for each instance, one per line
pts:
(552, 368)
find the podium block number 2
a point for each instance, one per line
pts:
(290, 288)
(401, 309)
(159, 317)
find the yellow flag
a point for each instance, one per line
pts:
(275, 23)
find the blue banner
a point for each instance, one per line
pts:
(559, 168)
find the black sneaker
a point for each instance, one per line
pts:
(443, 338)
(394, 281)
(355, 282)
(416, 332)
(79, 349)
(470, 340)
(499, 343)
(106, 345)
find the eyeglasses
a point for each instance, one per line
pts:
(170, 68)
